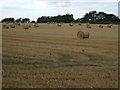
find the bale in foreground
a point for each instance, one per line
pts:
(83, 34)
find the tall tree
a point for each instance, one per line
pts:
(25, 20)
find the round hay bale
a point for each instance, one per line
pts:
(36, 25)
(48, 22)
(12, 25)
(109, 26)
(88, 26)
(26, 26)
(83, 34)
(29, 26)
(7, 22)
(100, 26)
(71, 24)
(5, 26)
(59, 25)
(52, 22)
(18, 24)
(80, 24)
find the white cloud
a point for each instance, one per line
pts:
(80, 0)
(37, 8)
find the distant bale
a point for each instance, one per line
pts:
(83, 34)
(48, 22)
(100, 26)
(88, 26)
(80, 24)
(26, 26)
(109, 26)
(5, 26)
(18, 24)
(29, 26)
(6, 22)
(52, 22)
(59, 25)
(36, 25)
(12, 25)
(71, 24)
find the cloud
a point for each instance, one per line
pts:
(58, 4)
(37, 8)
(80, 0)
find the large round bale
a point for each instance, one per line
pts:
(109, 26)
(83, 34)
(59, 25)
(100, 26)
(26, 26)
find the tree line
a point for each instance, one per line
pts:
(91, 17)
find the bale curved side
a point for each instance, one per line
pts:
(83, 34)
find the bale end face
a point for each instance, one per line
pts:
(82, 34)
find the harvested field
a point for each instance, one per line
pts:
(52, 57)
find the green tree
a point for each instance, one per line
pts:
(25, 20)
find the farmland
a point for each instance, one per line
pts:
(49, 56)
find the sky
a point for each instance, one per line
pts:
(36, 8)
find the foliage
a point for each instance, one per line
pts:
(60, 18)
(91, 17)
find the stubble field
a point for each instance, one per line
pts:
(49, 56)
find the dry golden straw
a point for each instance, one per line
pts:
(83, 34)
